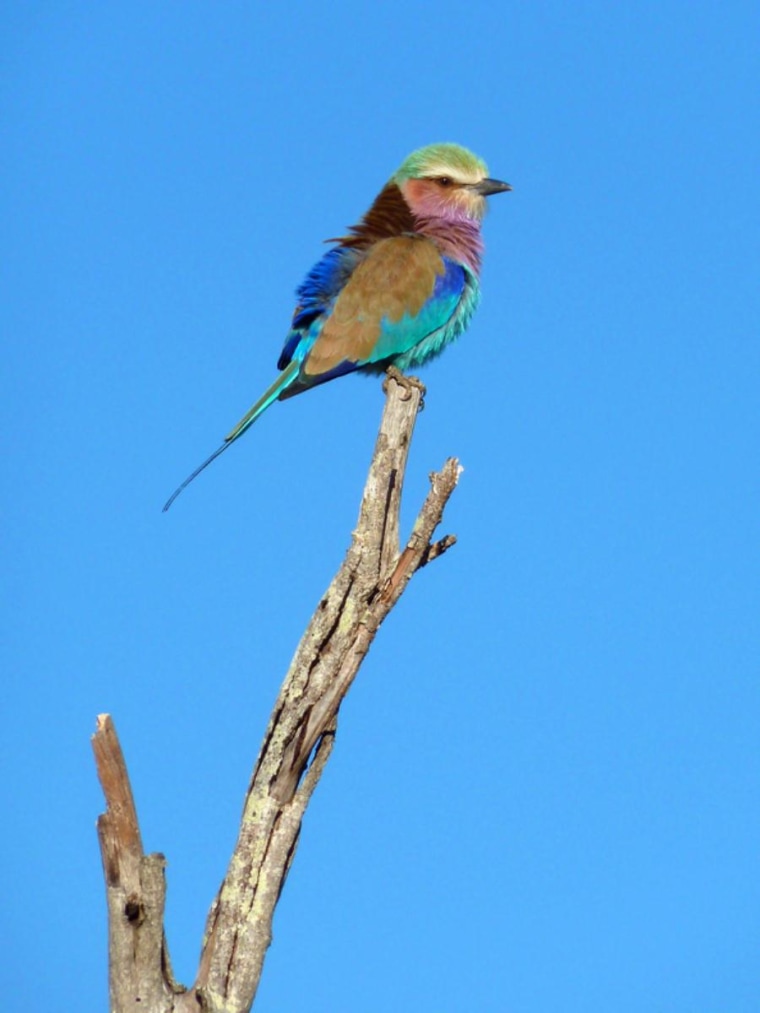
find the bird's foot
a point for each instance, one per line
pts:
(409, 383)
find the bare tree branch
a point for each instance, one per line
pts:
(135, 889)
(296, 747)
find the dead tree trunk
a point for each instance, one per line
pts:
(296, 747)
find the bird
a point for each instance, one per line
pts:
(393, 292)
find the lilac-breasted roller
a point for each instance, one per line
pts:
(396, 290)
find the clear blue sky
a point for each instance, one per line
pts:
(545, 792)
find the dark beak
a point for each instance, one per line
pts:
(487, 187)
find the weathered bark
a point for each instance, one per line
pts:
(140, 975)
(296, 746)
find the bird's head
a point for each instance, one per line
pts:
(446, 181)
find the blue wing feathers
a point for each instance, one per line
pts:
(451, 281)
(316, 296)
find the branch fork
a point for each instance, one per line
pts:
(296, 747)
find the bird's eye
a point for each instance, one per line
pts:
(445, 181)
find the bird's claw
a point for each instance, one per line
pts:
(409, 383)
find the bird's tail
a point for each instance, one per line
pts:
(282, 382)
(267, 398)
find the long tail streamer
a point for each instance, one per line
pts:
(283, 380)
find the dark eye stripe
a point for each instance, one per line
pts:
(445, 182)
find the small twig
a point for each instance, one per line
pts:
(437, 549)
